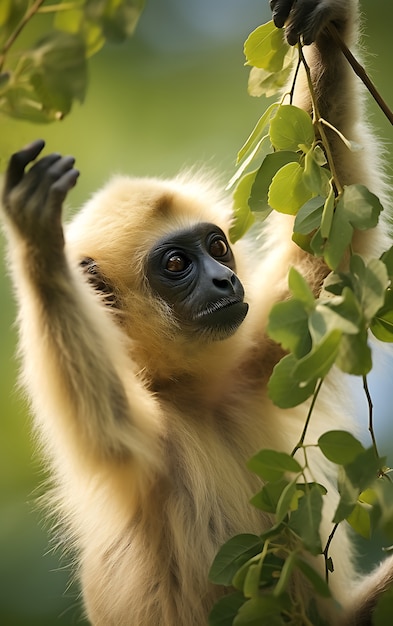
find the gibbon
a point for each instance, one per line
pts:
(146, 359)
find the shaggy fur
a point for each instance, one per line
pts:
(148, 432)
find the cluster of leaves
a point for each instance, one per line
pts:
(261, 568)
(295, 175)
(41, 83)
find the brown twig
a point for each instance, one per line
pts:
(361, 72)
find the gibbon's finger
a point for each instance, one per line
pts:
(18, 162)
(61, 187)
(280, 11)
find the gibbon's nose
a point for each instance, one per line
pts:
(226, 285)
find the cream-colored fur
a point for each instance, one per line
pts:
(148, 432)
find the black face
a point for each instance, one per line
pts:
(193, 270)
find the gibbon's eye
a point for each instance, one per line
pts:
(218, 248)
(177, 263)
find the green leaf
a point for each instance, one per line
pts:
(318, 362)
(361, 207)
(387, 259)
(340, 238)
(251, 582)
(285, 388)
(266, 48)
(117, 19)
(288, 501)
(364, 469)
(257, 132)
(243, 219)
(354, 355)
(382, 323)
(273, 162)
(309, 216)
(286, 574)
(348, 496)
(359, 520)
(382, 614)
(340, 446)
(328, 212)
(319, 584)
(300, 288)
(336, 313)
(272, 465)
(315, 177)
(288, 325)
(267, 499)
(288, 191)
(231, 556)
(225, 610)
(262, 611)
(262, 82)
(290, 128)
(306, 520)
(370, 282)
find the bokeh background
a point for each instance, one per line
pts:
(173, 96)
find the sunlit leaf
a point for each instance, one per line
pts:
(370, 282)
(300, 289)
(359, 520)
(266, 48)
(243, 219)
(273, 162)
(290, 128)
(288, 191)
(257, 132)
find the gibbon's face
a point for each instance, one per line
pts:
(193, 270)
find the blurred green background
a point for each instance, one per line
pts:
(173, 96)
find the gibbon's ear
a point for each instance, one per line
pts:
(99, 282)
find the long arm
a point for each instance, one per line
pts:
(67, 337)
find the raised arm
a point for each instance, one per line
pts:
(67, 336)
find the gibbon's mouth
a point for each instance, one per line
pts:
(225, 313)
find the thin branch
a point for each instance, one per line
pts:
(370, 414)
(12, 38)
(303, 436)
(361, 72)
(326, 550)
(318, 124)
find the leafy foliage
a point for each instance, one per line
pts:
(293, 173)
(41, 84)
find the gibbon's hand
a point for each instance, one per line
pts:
(33, 200)
(306, 18)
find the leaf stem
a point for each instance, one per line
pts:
(54, 8)
(303, 436)
(361, 72)
(12, 38)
